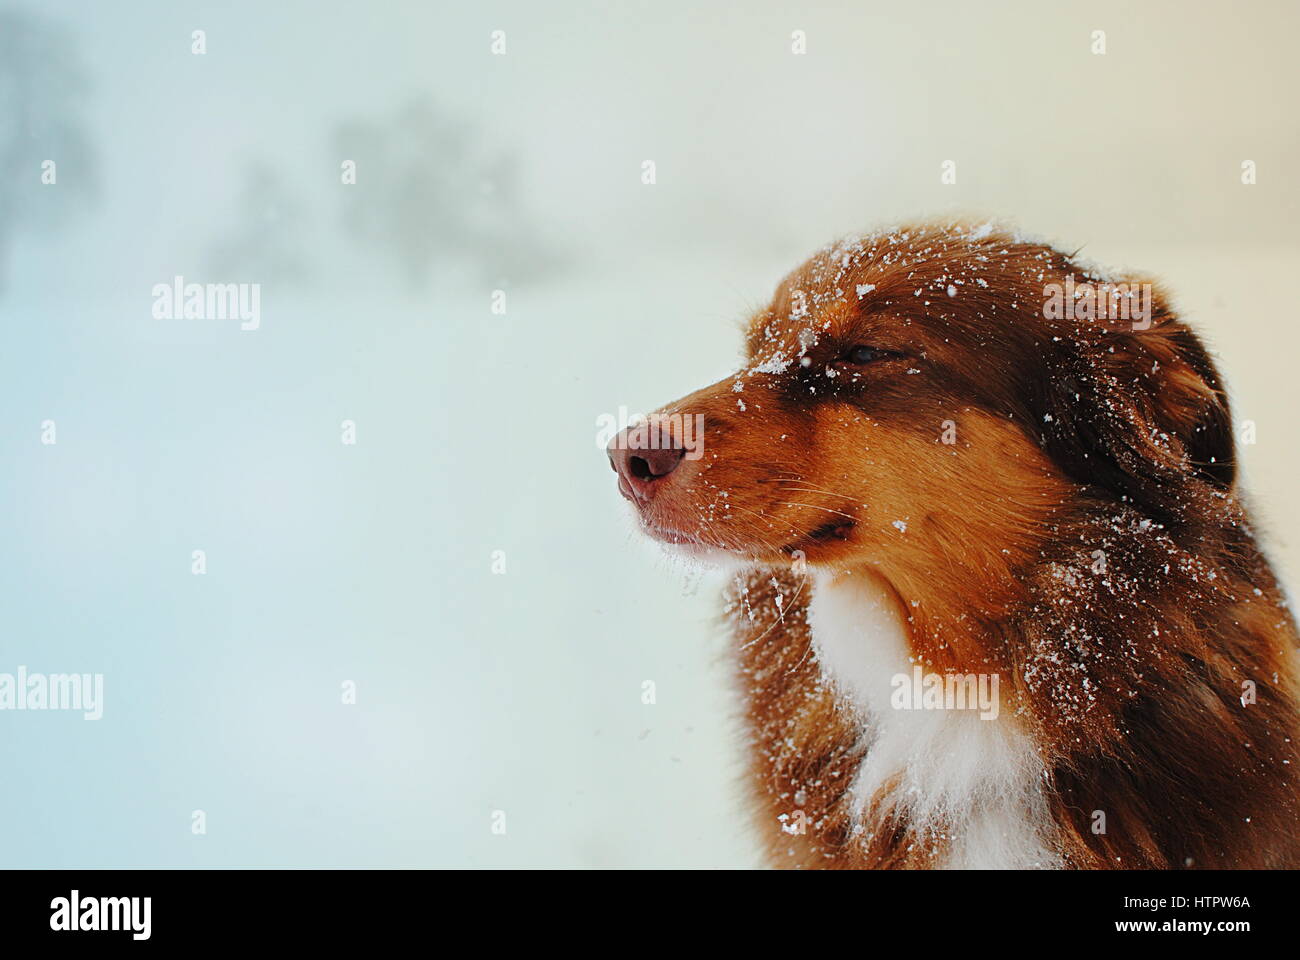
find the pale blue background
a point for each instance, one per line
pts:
(476, 432)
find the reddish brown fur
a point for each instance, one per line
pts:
(1071, 437)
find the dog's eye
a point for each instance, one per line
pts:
(864, 354)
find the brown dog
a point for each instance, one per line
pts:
(1001, 605)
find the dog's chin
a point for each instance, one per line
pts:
(707, 555)
(815, 545)
(687, 547)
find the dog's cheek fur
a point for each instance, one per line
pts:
(959, 480)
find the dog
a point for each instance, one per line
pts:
(957, 460)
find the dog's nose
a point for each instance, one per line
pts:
(641, 458)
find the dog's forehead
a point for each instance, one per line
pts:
(828, 294)
(956, 278)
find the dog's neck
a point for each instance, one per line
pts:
(968, 781)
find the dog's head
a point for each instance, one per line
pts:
(927, 386)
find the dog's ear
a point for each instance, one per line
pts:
(1140, 412)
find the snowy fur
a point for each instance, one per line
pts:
(949, 767)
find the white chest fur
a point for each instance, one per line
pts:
(974, 780)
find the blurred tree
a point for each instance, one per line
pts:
(272, 238)
(431, 196)
(42, 93)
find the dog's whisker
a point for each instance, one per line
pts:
(813, 506)
(828, 493)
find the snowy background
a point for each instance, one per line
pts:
(372, 563)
